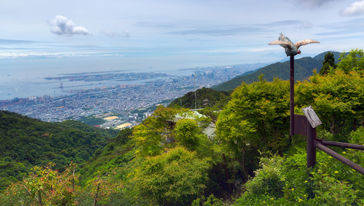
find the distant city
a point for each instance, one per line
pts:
(120, 105)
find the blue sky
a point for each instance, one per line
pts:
(171, 34)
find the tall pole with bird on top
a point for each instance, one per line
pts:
(291, 50)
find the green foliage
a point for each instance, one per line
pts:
(328, 64)
(210, 201)
(151, 136)
(321, 57)
(286, 181)
(268, 179)
(161, 131)
(303, 69)
(337, 99)
(167, 160)
(44, 186)
(100, 189)
(92, 121)
(187, 133)
(256, 117)
(125, 159)
(205, 97)
(211, 112)
(172, 178)
(11, 171)
(26, 142)
(148, 141)
(357, 137)
(116, 154)
(354, 61)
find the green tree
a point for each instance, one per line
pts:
(204, 97)
(176, 177)
(99, 190)
(210, 201)
(27, 142)
(338, 99)
(287, 181)
(354, 61)
(188, 134)
(44, 186)
(148, 140)
(256, 118)
(152, 135)
(328, 64)
(11, 171)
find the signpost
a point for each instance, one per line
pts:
(291, 95)
(306, 125)
(291, 50)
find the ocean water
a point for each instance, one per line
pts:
(25, 77)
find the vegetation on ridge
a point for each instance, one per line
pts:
(303, 69)
(27, 142)
(205, 97)
(170, 159)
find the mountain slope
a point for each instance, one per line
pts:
(115, 155)
(303, 69)
(26, 142)
(204, 97)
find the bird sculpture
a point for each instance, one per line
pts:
(291, 48)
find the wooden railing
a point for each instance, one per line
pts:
(303, 127)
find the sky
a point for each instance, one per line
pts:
(142, 35)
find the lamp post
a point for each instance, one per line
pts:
(291, 50)
(291, 95)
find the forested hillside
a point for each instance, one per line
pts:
(172, 158)
(303, 69)
(204, 97)
(26, 142)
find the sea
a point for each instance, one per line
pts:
(22, 78)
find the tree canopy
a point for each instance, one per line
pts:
(328, 63)
(172, 178)
(171, 158)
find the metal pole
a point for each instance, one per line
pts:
(340, 158)
(194, 86)
(291, 98)
(311, 147)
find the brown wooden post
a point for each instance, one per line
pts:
(97, 193)
(291, 97)
(40, 198)
(311, 147)
(73, 181)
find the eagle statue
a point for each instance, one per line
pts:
(291, 48)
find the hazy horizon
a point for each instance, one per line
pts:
(175, 34)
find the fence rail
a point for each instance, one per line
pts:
(340, 157)
(342, 144)
(303, 127)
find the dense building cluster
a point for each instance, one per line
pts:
(121, 100)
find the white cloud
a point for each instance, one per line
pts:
(311, 3)
(356, 8)
(60, 54)
(61, 25)
(28, 54)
